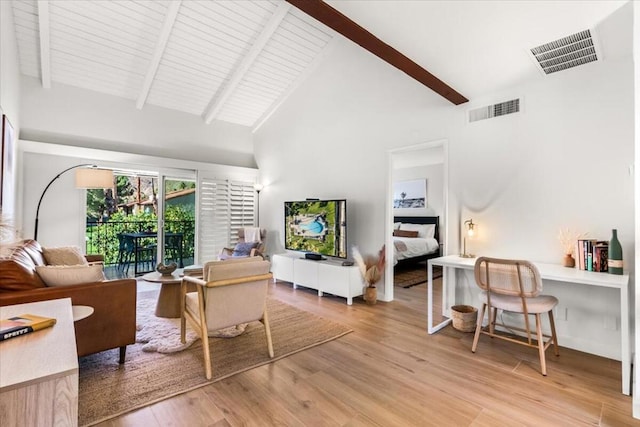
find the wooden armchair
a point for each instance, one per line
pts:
(231, 292)
(246, 248)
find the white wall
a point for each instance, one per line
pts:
(330, 140)
(74, 116)
(9, 84)
(636, 59)
(562, 162)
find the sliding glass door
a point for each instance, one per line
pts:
(178, 220)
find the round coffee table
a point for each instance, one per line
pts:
(169, 299)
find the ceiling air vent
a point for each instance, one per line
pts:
(571, 51)
(507, 107)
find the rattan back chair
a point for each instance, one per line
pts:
(514, 286)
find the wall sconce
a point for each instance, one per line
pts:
(87, 177)
(469, 232)
(258, 187)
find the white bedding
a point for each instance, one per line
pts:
(416, 246)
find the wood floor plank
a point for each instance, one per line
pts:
(390, 372)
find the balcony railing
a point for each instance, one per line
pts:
(102, 237)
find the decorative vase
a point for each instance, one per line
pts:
(370, 295)
(615, 254)
(569, 261)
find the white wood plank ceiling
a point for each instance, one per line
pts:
(227, 60)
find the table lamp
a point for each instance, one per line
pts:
(469, 232)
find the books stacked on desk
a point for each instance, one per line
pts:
(592, 255)
(23, 324)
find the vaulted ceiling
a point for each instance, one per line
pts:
(237, 61)
(226, 60)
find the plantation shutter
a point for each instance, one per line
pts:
(225, 206)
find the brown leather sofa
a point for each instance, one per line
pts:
(113, 322)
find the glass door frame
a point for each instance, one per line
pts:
(163, 177)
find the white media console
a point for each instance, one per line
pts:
(327, 276)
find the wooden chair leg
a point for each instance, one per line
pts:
(183, 319)
(552, 323)
(493, 314)
(204, 334)
(267, 329)
(478, 328)
(543, 362)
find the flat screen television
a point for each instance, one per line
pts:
(316, 226)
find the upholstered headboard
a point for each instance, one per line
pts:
(421, 220)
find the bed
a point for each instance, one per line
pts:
(416, 238)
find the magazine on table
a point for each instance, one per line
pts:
(23, 324)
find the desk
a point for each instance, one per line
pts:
(137, 237)
(552, 272)
(39, 370)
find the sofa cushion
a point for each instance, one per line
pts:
(64, 255)
(64, 275)
(18, 269)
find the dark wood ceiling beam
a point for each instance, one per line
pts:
(334, 19)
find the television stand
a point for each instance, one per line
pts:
(327, 276)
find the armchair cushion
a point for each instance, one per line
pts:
(64, 275)
(244, 248)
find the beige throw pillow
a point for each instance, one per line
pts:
(64, 255)
(63, 275)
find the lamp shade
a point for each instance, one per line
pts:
(94, 178)
(258, 187)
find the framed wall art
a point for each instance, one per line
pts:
(410, 194)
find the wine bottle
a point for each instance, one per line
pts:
(615, 254)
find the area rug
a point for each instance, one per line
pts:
(412, 275)
(108, 389)
(159, 334)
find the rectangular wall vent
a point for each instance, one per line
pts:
(496, 110)
(571, 51)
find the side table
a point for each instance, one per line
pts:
(169, 299)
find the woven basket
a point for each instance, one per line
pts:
(464, 317)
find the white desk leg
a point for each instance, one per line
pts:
(431, 329)
(624, 330)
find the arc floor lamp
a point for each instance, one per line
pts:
(88, 176)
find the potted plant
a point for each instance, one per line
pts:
(371, 269)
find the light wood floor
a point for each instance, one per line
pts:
(389, 372)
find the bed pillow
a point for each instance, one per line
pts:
(424, 230)
(64, 255)
(64, 275)
(405, 233)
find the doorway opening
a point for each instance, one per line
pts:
(417, 202)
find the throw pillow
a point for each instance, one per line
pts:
(405, 233)
(244, 248)
(66, 255)
(63, 275)
(424, 230)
